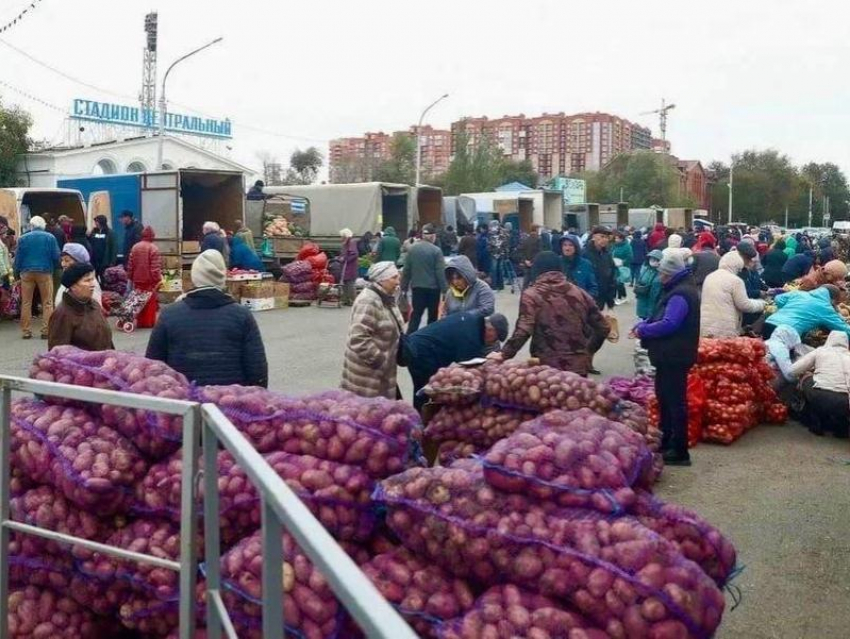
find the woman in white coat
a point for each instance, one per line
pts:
(724, 299)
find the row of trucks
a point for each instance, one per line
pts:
(177, 203)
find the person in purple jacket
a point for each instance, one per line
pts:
(350, 261)
(671, 335)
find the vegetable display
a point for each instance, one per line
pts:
(41, 613)
(626, 579)
(65, 447)
(577, 459)
(508, 611)
(635, 389)
(297, 272)
(309, 605)
(423, 593)
(376, 435)
(115, 280)
(155, 434)
(339, 495)
(474, 424)
(455, 385)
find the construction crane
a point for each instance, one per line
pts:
(662, 117)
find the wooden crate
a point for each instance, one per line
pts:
(287, 246)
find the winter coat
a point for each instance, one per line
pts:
(647, 291)
(482, 251)
(213, 240)
(773, 261)
(389, 248)
(578, 269)
(424, 267)
(832, 272)
(350, 260)
(144, 267)
(37, 252)
(656, 237)
(563, 322)
(369, 366)
(623, 252)
(797, 266)
(671, 334)
(830, 362)
(724, 299)
(104, 251)
(211, 339)
(605, 272)
(243, 257)
(79, 324)
(781, 344)
(704, 264)
(530, 247)
(132, 236)
(448, 242)
(790, 246)
(478, 296)
(639, 250)
(805, 312)
(467, 247)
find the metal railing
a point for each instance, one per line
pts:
(280, 508)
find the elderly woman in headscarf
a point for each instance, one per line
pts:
(78, 319)
(144, 270)
(73, 253)
(724, 299)
(370, 364)
(833, 272)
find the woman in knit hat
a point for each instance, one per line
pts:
(207, 335)
(78, 319)
(371, 353)
(671, 335)
(144, 270)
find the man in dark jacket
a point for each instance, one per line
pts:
(207, 335)
(56, 231)
(467, 247)
(529, 248)
(212, 238)
(484, 262)
(798, 265)
(132, 233)
(671, 336)
(255, 193)
(455, 338)
(598, 254)
(706, 259)
(424, 273)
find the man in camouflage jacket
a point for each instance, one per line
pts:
(564, 324)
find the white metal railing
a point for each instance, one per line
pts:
(207, 426)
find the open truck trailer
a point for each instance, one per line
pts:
(174, 203)
(20, 205)
(371, 206)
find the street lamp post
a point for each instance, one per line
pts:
(731, 170)
(419, 133)
(811, 194)
(162, 103)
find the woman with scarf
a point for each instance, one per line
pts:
(369, 367)
(144, 271)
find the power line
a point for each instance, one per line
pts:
(20, 16)
(190, 108)
(32, 97)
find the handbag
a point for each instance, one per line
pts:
(614, 335)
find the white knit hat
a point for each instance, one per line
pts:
(209, 269)
(381, 271)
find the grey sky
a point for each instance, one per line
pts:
(743, 74)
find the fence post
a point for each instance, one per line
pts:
(189, 521)
(5, 474)
(272, 533)
(212, 541)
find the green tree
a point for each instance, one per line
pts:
(482, 167)
(400, 168)
(646, 179)
(15, 124)
(826, 180)
(520, 171)
(304, 166)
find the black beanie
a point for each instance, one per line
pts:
(545, 262)
(75, 273)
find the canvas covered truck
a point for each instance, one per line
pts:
(370, 206)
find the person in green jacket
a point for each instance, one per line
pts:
(790, 246)
(389, 248)
(648, 285)
(622, 251)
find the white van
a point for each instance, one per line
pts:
(19, 205)
(841, 226)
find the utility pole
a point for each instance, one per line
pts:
(786, 216)
(621, 194)
(147, 96)
(811, 194)
(731, 170)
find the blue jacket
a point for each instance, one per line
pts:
(213, 241)
(211, 339)
(639, 250)
(38, 252)
(797, 266)
(482, 252)
(646, 302)
(805, 311)
(578, 269)
(243, 257)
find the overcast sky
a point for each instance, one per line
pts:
(743, 73)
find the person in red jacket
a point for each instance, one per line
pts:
(656, 237)
(144, 270)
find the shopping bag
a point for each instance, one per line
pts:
(614, 335)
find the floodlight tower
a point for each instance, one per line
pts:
(147, 97)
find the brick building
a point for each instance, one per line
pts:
(694, 181)
(555, 143)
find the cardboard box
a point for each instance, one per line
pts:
(259, 304)
(234, 289)
(281, 294)
(191, 247)
(244, 277)
(257, 290)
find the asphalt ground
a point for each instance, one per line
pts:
(780, 494)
